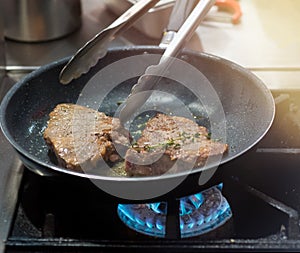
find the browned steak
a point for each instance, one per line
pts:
(79, 135)
(170, 141)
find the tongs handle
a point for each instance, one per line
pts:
(188, 28)
(96, 48)
(180, 12)
(150, 79)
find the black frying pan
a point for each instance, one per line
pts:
(247, 103)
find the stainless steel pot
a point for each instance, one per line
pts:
(41, 20)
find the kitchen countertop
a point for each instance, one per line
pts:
(266, 41)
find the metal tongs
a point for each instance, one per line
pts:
(184, 20)
(96, 48)
(149, 80)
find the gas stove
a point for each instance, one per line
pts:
(256, 207)
(261, 188)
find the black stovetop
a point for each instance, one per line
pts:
(261, 186)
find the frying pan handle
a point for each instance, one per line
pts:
(180, 12)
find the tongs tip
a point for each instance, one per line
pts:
(63, 80)
(96, 48)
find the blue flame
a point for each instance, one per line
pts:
(199, 214)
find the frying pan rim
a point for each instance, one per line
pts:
(44, 68)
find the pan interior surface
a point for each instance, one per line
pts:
(248, 105)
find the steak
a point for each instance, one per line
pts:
(82, 137)
(170, 142)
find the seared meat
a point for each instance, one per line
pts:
(170, 142)
(81, 136)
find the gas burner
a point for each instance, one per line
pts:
(199, 213)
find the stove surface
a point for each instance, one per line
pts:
(261, 186)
